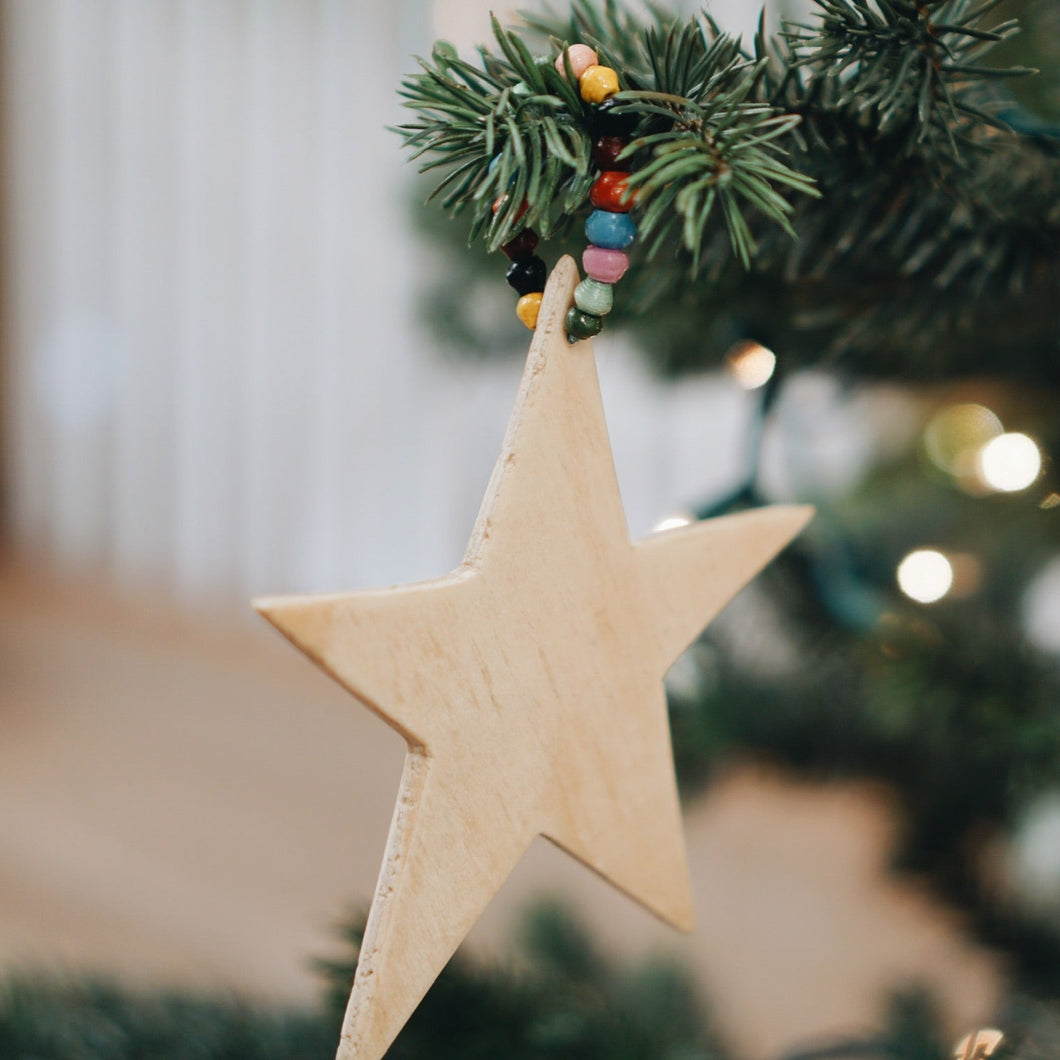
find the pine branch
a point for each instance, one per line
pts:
(927, 231)
(896, 66)
(516, 131)
(514, 128)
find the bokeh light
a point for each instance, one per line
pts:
(1041, 609)
(751, 364)
(925, 575)
(1035, 857)
(967, 574)
(1010, 462)
(955, 434)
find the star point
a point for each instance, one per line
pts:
(528, 683)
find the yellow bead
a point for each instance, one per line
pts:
(598, 83)
(528, 308)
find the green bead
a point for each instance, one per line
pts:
(592, 296)
(581, 325)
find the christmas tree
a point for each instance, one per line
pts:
(870, 194)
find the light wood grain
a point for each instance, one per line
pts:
(528, 683)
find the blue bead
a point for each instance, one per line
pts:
(613, 231)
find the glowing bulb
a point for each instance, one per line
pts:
(925, 575)
(956, 433)
(1041, 608)
(1010, 462)
(752, 364)
(672, 522)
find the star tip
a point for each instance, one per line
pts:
(685, 922)
(679, 910)
(263, 604)
(792, 516)
(562, 280)
(566, 267)
(559, 292)
(271, 608)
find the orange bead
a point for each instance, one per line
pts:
(609, 192)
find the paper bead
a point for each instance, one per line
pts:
(598, 83)
(581, 325)
(528, 307)
(581, 57)
(607, 266)
(527, 275)
(592, 296)
(613, 231)
(609, 192)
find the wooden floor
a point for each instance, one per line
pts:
(185, 800)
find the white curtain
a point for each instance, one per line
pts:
(215, 378)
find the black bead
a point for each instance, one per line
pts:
(528, 275)
(608, 123)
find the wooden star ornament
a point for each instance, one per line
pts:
(528, 683)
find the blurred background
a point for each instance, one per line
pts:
(224, 373)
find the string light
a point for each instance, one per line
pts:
(955, 434)
(925, 575)
(751, 364)
(1010, 462)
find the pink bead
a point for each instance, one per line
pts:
(607, 266)
(581, 58)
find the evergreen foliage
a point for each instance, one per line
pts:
(567, 1002)
(559, 1000)
(85, 1019)
(951, 705)
(926, 230)
(563, 1000)
(931, 251)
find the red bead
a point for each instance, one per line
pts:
(498, 203)
(606, 151)
(609, 192)
(522, 246)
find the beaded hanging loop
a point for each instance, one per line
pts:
(609, 228)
